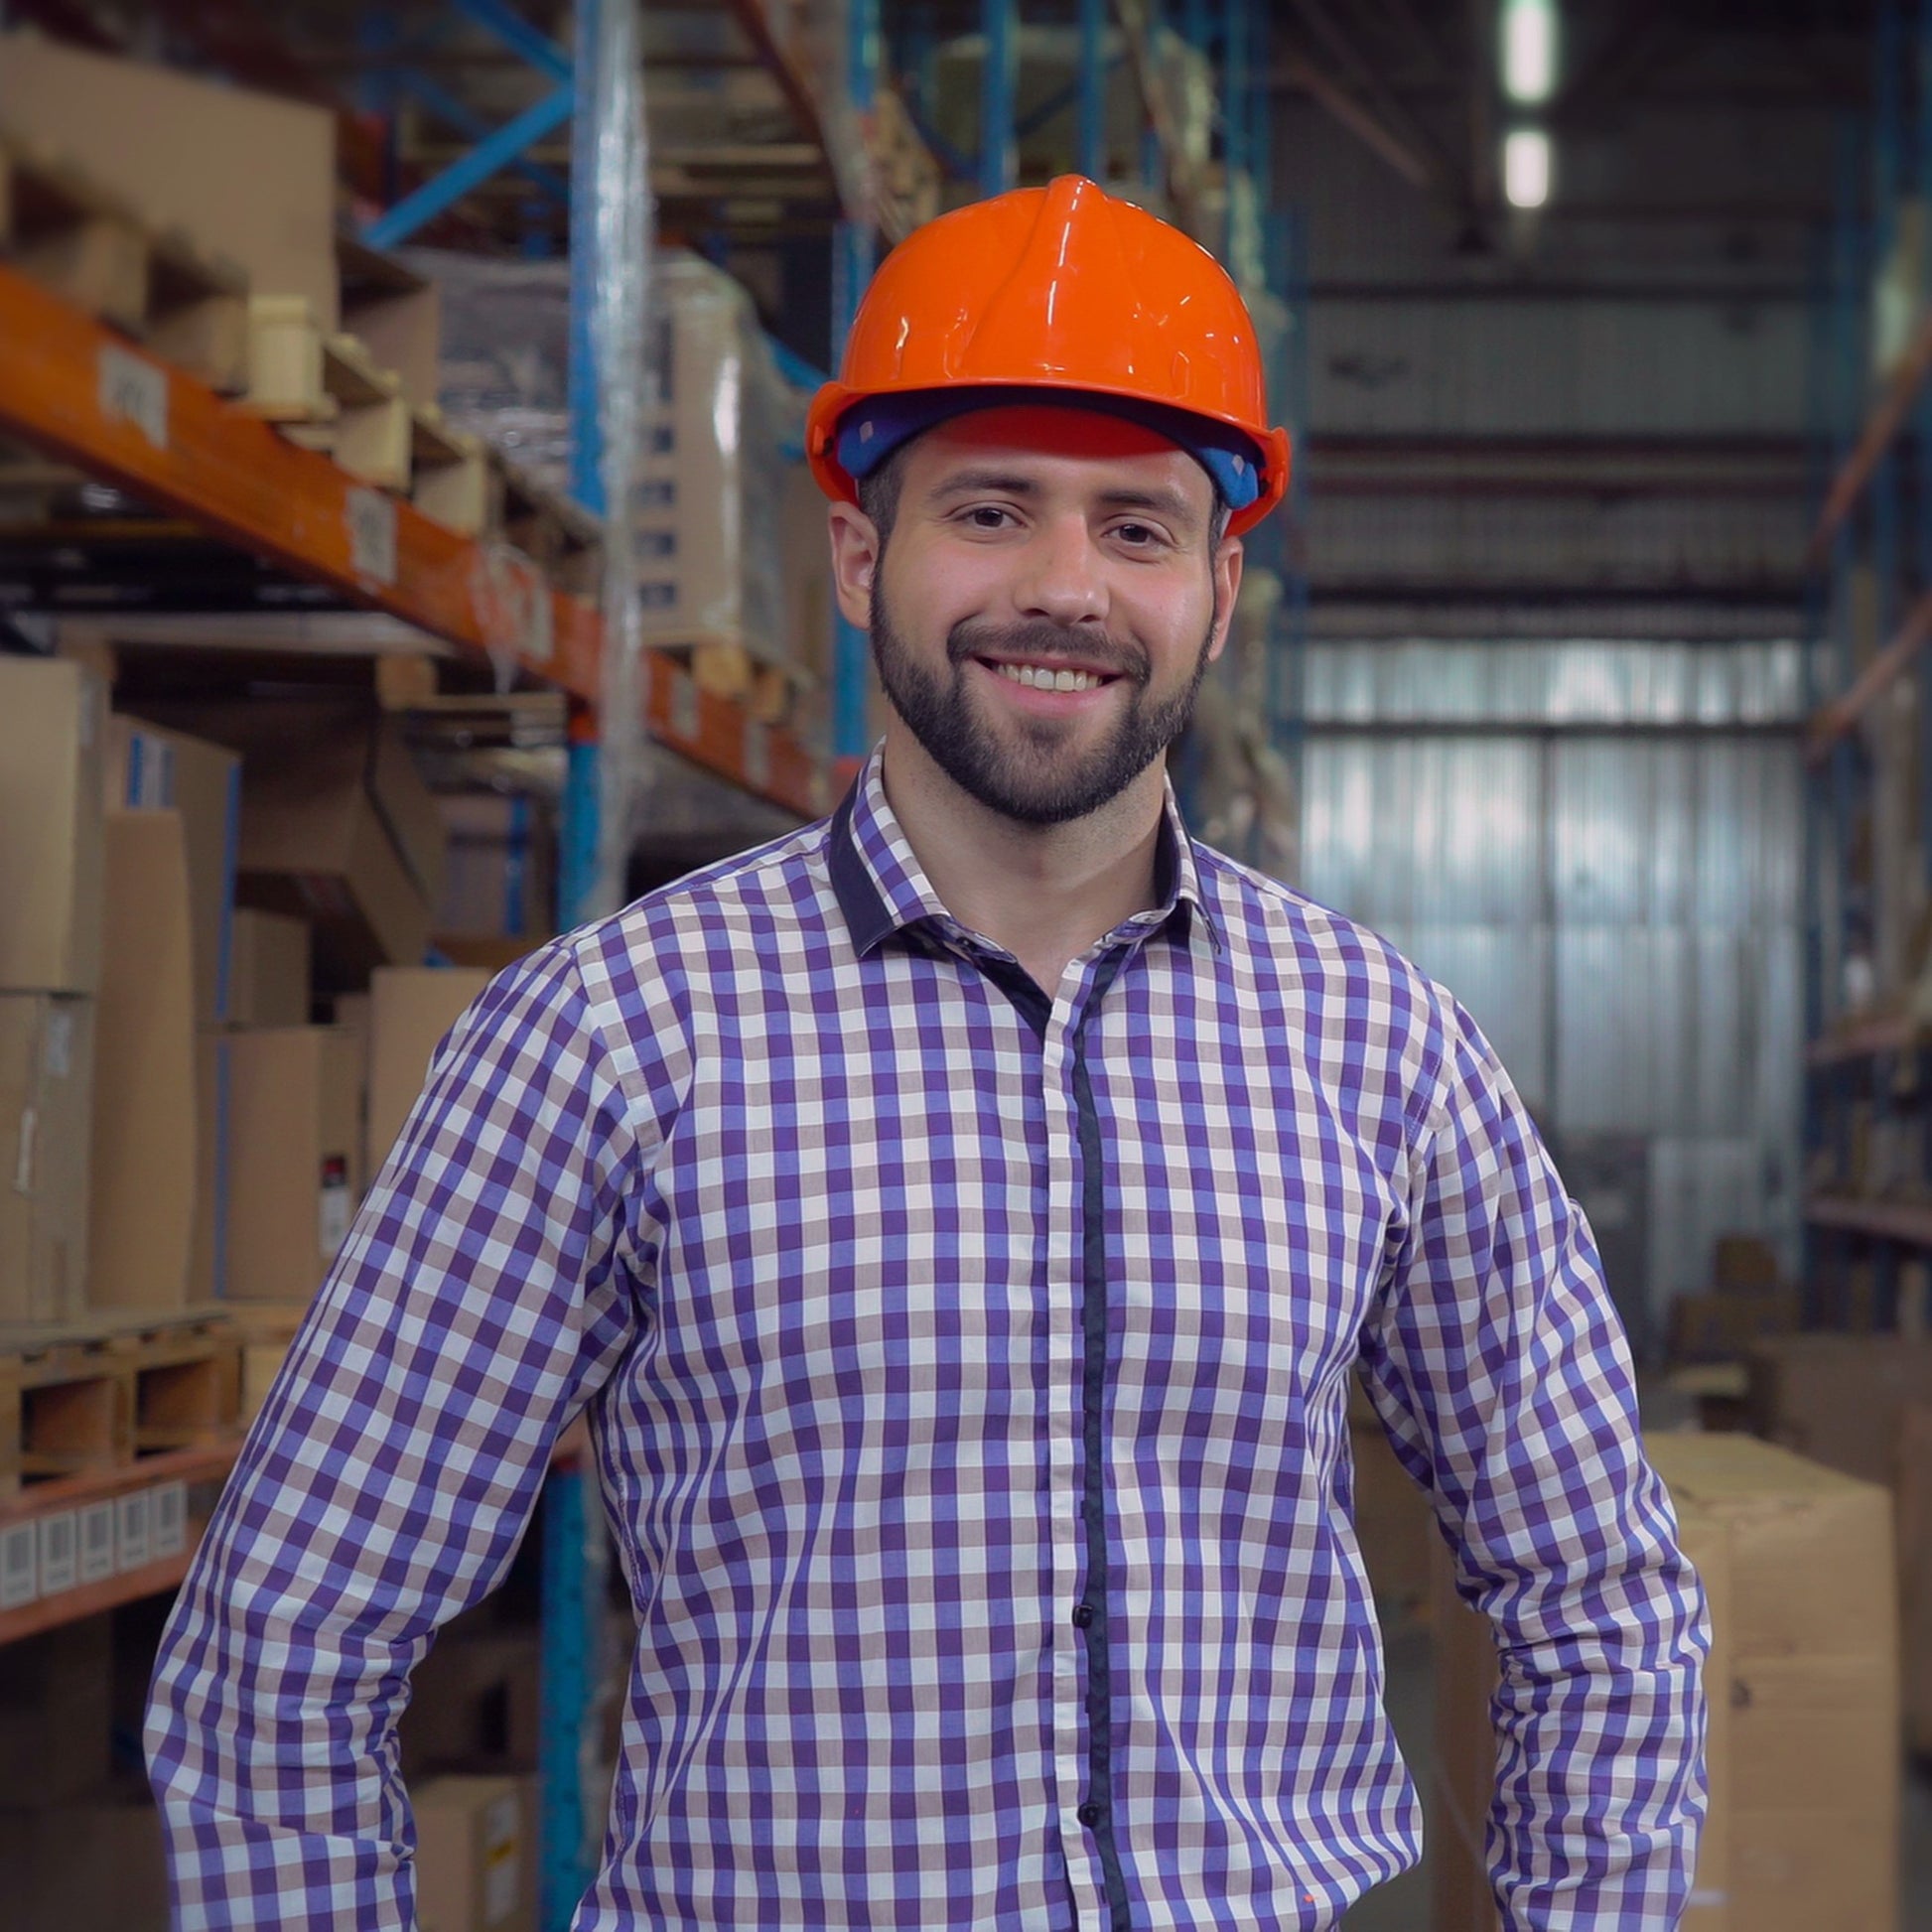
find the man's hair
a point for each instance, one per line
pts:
(879, 494)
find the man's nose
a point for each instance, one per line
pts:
(1062, 579)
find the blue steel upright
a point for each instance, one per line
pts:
(853, 245)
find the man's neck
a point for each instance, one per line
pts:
(1045, 893)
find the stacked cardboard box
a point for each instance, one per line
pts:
(318, 1108)
(498, 881)
(174, 805)
(1395, 1524)
(476, 1854)
(411, 1008)
(1745, 1303)
(52, 860)
(1839, 1399)
(1802, 1691)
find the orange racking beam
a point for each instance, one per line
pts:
(71, 385)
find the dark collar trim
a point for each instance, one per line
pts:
(867, 916)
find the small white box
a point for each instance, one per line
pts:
(60, 1553)
(20, 1564)
(170, 1519)
(96, 1542)
(131, 1537)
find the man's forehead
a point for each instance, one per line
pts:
(1036, 441)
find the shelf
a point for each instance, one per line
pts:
(1881, 430)
(76, 1492)
(1830, 721)
(191, 1466)
(71, 385)
(1888, 1033)
(1909, 1221)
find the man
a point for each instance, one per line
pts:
(963, 1221)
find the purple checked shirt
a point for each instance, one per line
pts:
(967, 1372)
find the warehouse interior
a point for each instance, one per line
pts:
(408, 553)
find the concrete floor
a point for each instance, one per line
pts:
(1404, 1905)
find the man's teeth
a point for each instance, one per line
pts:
(1040, 678)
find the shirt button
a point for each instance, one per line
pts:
(1082, 1615)
(1089, 1815)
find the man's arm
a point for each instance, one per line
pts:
(1500, 1370)
(483, 1296)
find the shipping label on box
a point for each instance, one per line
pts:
(96, 1542)
(168, 1519)
(20, 1566)
(60, 1552)
(131, 1524)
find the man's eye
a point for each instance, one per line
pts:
(987, 516)
(1139, 535)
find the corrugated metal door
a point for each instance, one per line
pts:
(1615, 898)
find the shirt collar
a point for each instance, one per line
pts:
(883, 889)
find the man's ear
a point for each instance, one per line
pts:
(854, 562)
(1227, 589)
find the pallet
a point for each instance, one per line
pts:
(104, 1393)
(562, 538)
(86, 245)
(769, 689)
(265, 1331)
(451, 477)
(326, 392)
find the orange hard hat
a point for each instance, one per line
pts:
(1063, 289)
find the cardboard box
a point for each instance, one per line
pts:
(149, 768)
(271, 984)
(145, 1158)
(1720, 1324)
(1742, 1262)
(476, 1854)
(51, 730)
(316, 845)
(710, 519)
(411, 1008)
(249, 176)
(1803, 1755)
(336, 828)
(1395, 1522)
(207, 1255)
(1839, 1399)
(295, 1174)
(1915, 1573)
(46, 1093)
(500, 878)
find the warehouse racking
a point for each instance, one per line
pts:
(1868, 741)
(278, 547)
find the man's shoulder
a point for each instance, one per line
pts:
(1300, 934)
(764, 877)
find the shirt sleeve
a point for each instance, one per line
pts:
(481, 1298)
(1500, 1370)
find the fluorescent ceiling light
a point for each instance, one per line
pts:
(1529, 50)
(1526, 167)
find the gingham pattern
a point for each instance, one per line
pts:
(770, 1172)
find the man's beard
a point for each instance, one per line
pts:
(1030, 775)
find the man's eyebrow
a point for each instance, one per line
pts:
(1002, 483)
(1162, 499)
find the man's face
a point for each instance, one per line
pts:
(1019, 564)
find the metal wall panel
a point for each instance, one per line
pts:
(1605, 869)
(1600, 366)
